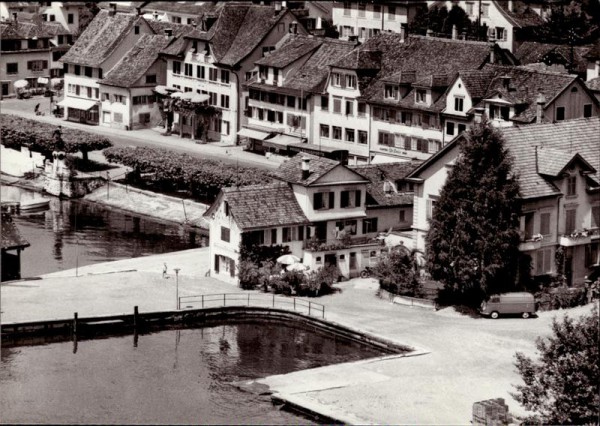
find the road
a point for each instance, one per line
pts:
(233, 155)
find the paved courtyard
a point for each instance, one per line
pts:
(462, 359)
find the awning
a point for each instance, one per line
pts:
(382, 159)
(43, 80)
(280, 141)
(77, 103)
(253, 134)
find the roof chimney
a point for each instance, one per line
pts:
(319, 23)
(492, 52)
(138, 11)
(511, 6)
(113, 9)
(429, 32)
(295, 25)
(403, 32)
(15, 16)
(540, 103)
(506, 82)
(277, 8)
(454, 32)
(155, 15)
(168, 32)
(305, 167)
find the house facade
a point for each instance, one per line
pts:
(361, 19)
(323, 211)
(557, 166)
(511, 96)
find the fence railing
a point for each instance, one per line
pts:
(251, 299)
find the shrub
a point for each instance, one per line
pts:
(561, 297)
(397, 273)
(320, 282)
(249, 275)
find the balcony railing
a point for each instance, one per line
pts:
(576, 238)
(339, 244)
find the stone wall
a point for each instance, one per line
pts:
(18, 162)
(73, 187)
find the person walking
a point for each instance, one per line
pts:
(164, 270)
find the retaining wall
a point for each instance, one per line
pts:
(408, 301)
(18, 162)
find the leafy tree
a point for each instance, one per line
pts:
(441, 21)
(473, 239)
(249, 275)
(575, 23)
(397, 273)
(563, 385)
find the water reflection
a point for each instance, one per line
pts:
(173, 376)
(76, 233)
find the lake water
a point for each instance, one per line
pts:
(78, 232)
(168, 377)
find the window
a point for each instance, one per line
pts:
(286, 235)
(369, 225)
(212, 74)
(345, 226)
(41, 65)
(431, 207)
(324, 103)
(89, 92)
(421, 96)
(117, 117)
(450, 128)
(336, 79)
(106, 116)
(350, 135)
(188, 70)
(434, 145)
(324, 130)
(225, 101)
(362, 109)
(225, 234)
(362, 7)
(386, 139)
(200, 72)
(151, 79)
(177, 19)
(587, 110)
(347, 8)
(350, 199)
(560, 113)
(144, 118)
(349, 105)
(351, 81)
(545, 223)
(402, 216)
(363, 137)
(263, 72)
(485, 10)
(12, 68)
(544, 261)
(176, 67)
(77, 70)
(274, 236)
(136, 29)
(391, 13)
(267, 49)
(570, 221)
(100, 73)
(528, 225)
(595, 216)
(407, 143)
(291, 101)
(337, 133)
(458, 103)
(323, 200)
(470, 9)
(391, 91)
(225, 76)
(376, 11)
(52, 18)
(337, 105)
(572, 185)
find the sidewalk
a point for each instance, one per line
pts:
(142, 137)
(466, 359)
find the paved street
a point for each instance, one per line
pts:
(234, 155)
(463, 359)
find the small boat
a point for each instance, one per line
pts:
(35, 203)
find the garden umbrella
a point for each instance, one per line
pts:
(21, 84)
(288, 259)
(162, 90)
(56, 81)
(297, 267)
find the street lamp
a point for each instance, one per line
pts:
(177, 287)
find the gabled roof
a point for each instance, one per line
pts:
(377, 174)
(594, 53)
(11, 30)
(360, 59)
(291, 170)
(476, 81)
(101, 37)
(261, 206)
(187, 7)
(11, 237)
(293, 48)
(239, 29)
(530, 52)
(521, 16)
(136, 61)
(552, 162)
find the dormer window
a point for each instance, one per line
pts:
(263, 72)
(336, 79)
(391, 91)
(275, 75)
(459, 103)
(499, 112)
(421, 96)
(351, 81)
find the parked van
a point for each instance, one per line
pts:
(509, 303)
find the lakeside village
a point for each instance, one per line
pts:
(448, 149)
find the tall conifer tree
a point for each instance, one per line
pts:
(472, 244)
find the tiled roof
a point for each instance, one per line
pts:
(264, 206)
(594, 52)
(531, 52)
(121, 6)
(11, 238)
(291, 170)
(564, 138)
(551, 162)
(187, 7)
(293, 48)
(377, 174)
(136, 61)
(521, 16)
(100, 38)
(10, 30)
(360, 59)
(476, 81)
(593, 84)
(177, 30)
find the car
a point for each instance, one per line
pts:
(522, 303)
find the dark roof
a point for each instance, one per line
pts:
(377, 174)
(521, 15)
(10, 30)
(360, 59)
(556, 142)
(100, 38)
(264, 206)
(532, 52)
(293, 48)
(177, 30)
(593, 84)
(11, 237)
(476, 81)
(291, 170)
(136, 61)
(594, 52)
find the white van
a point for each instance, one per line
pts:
(509, 303)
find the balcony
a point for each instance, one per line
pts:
(339, 244)
(531, 242)
(576, 238)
